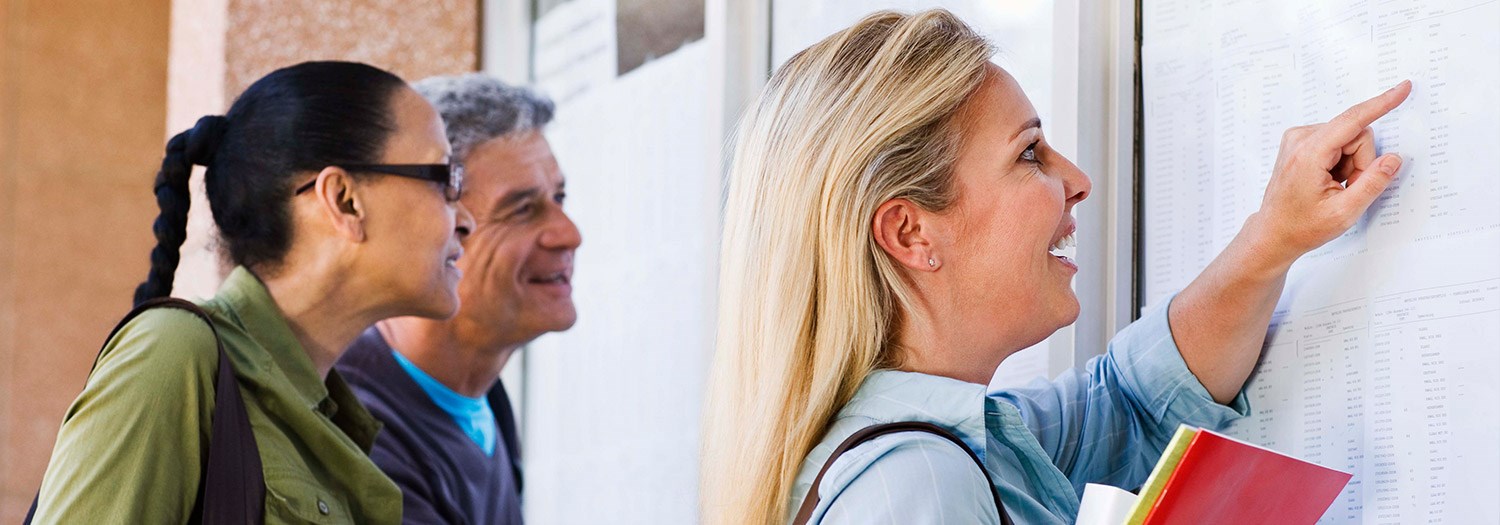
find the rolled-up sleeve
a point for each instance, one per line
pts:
(1109, 421)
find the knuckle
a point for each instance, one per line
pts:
(1294, 136)
(1349, 118)
(1297, 155)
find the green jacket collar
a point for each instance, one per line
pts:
(248, 300)
(284, 365)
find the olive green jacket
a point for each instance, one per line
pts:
(131, 446)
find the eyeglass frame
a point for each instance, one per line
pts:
(451, 176)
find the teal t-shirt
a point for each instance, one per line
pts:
(473, 414)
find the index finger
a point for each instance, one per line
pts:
(1347, 125)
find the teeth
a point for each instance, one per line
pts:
(1065, 245)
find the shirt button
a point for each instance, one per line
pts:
(323, 507)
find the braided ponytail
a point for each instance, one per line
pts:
(173, 197)
(290, 123)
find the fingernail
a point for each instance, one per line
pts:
(1391, 164)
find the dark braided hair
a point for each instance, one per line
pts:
(284, 127)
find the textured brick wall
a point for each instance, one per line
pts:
(412, 39)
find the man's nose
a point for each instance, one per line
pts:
(463, 221)
(561, 233)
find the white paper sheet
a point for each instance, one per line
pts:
(1105, 505)
(1384, 353)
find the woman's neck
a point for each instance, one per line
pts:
(322, 313)
(929, 345)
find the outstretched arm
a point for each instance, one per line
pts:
(1325, 177)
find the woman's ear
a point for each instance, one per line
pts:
(340, 204)
(901, 230)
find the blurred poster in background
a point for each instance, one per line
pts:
(574, 47)
(647, 29)
(581, 44)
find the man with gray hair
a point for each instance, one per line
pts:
(449, 439)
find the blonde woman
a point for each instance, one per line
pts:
(892, 207)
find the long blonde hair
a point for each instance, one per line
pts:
(808, 300)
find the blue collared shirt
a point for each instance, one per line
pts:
(1106, 423)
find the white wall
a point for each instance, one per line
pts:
(612, 406)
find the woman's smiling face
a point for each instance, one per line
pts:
(415, 232)
(1015, 197)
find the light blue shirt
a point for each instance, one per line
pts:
(473, 414)
(1106, 423)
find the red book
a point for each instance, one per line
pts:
(1224, 481)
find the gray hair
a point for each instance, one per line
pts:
(478, 107)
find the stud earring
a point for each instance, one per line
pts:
(932, 262)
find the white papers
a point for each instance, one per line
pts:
(1384, 354)
(1105, 505)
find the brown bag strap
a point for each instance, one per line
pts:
(232, 488)
(804, 513)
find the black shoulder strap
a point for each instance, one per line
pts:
(233, 488)
(804, 513)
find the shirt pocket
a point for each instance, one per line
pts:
(296, 498)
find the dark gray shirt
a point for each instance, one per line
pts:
(443, 474)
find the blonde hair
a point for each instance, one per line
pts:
(809, 301)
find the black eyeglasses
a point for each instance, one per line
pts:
(451, 177)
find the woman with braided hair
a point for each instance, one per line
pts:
(332, 192)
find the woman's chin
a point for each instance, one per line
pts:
(1067, 311)
(439, 306)
(1072, 311)
(450, 305)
